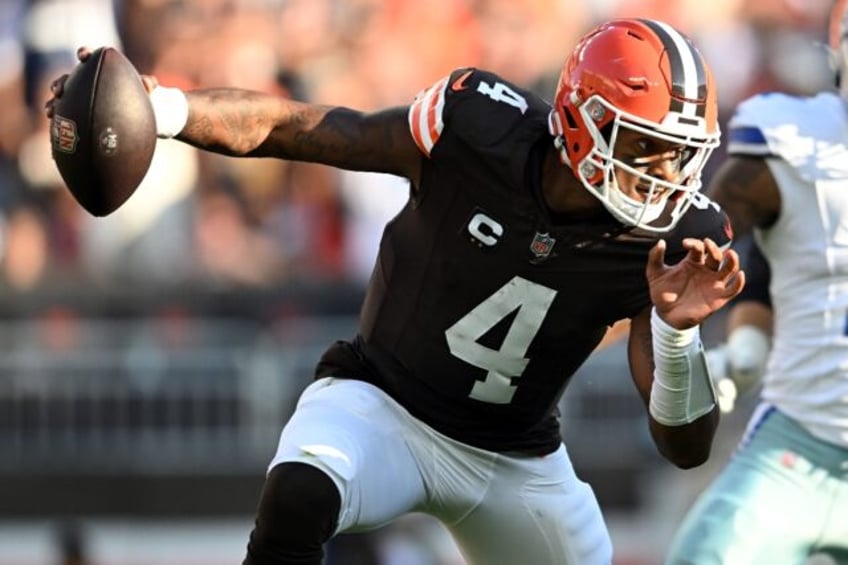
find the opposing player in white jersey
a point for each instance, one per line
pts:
(784, 494)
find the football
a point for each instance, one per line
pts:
(103, 131)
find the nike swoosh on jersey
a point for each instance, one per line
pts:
(459, 84)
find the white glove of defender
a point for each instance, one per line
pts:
(724, 386)
(737, 366)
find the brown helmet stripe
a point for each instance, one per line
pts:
(688, 74)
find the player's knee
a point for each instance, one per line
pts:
(298, 512)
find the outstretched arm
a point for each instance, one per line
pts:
(244, 123)
(251, 124)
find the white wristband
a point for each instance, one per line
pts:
(682, 390)
(170, 107)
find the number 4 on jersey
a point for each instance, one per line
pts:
(532, 301)
(502, 93)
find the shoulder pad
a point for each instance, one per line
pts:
(809, 133)
(475, 105)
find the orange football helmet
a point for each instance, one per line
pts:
(645, 76)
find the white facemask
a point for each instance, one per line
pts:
(633, 211)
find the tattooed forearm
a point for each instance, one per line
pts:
(231, 122)
(352, 140)
(338, 137)
(251, 124)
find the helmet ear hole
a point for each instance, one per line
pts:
(571, 124)
(569, 118)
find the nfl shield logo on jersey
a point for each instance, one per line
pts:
(541, 246)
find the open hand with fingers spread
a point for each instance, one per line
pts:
(685, 294)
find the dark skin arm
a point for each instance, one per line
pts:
(243, 123)
(684, 296)
(745, 188)
(251, 124)
(685, 446)
(750, 313)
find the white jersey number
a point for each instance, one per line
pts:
(531, 301)
(502, 93)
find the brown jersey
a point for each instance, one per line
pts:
(482, 304)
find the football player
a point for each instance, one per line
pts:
(529, 230)
(783, 496)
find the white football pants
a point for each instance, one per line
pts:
(501, 509)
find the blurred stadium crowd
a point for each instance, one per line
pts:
(206, 220)
(203, 222)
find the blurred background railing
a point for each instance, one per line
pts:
(176, 385)
(199, 386)
(125, 398)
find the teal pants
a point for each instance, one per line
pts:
(782, 497)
